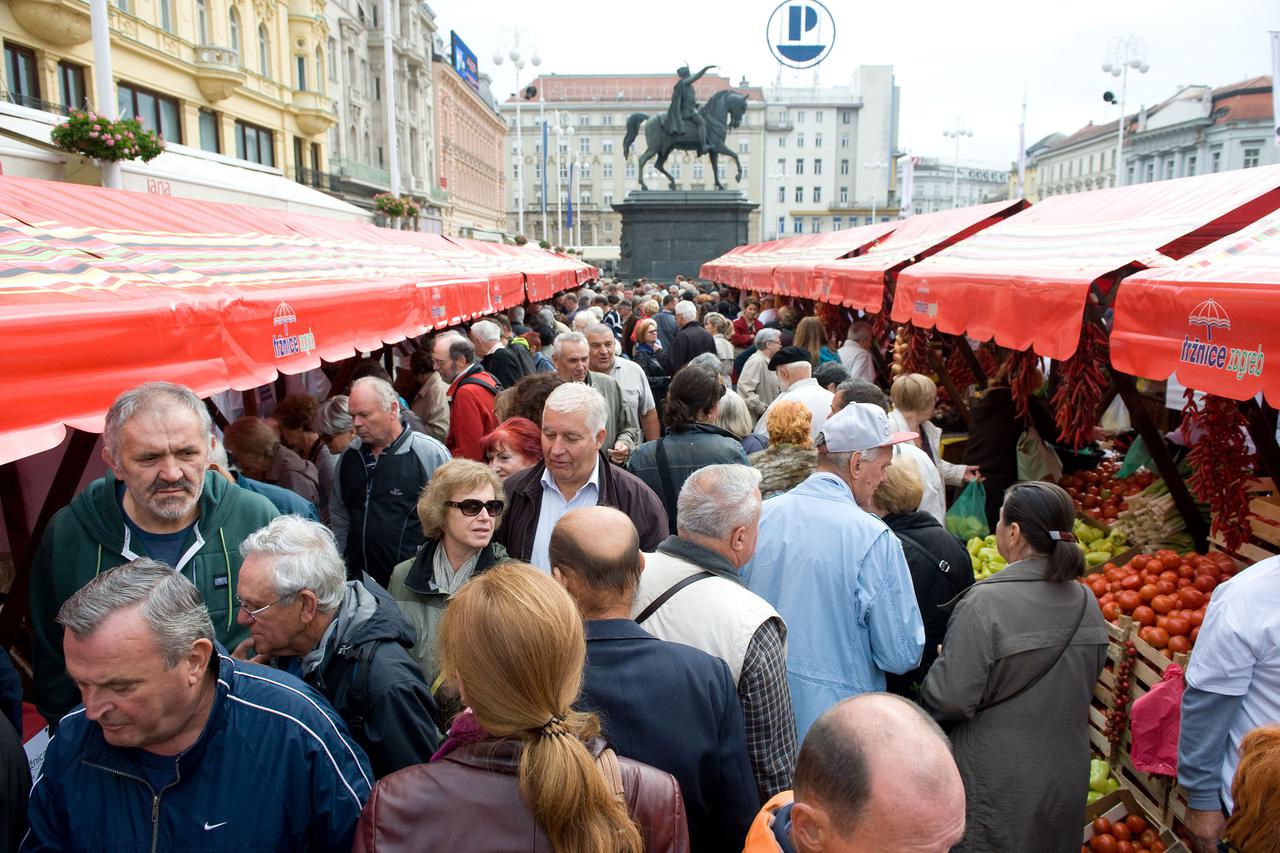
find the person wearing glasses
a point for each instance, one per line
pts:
(459, 511)
(347, 639)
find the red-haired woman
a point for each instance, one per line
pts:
(514, 445)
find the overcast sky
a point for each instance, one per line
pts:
(974, 59)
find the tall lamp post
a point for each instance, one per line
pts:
(956, 131)
(512, 35)
(560, 144)
(870, 166)
(1123, 54)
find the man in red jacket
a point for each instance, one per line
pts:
(471, 395)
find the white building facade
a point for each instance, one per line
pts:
(936, 185)
(830, 155)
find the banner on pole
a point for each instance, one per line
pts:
(544, 169)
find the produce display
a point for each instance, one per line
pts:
(1166, 593)
(1132, 834)
(1098, 547)
(1101, 782)
(1100, 495)
(1152, 521)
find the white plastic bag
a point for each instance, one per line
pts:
(1115, 419)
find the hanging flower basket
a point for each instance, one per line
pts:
(92, 135)
(389, 205)
(521, 240)
(411, 208)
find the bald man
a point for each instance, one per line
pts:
(874, 774)
(666, 704)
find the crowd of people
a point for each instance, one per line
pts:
(647, 568)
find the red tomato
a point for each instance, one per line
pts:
(1186, 572)
(1111, 611)
(1137, 825)
(1104, 843)
(1205, 583)
(1190, 597)
(1101, 826)
(1121, 831)
(1161, 604)
(1158, 637)
(1144, 615)
(1179, 645)
(1131, 582)
(1171, 577)
(1148, 592)
(1195, 632)
(1170, 560)
(1185, 582)
(1124, 846)
(1164, 587)
(1139, 562)
(1197, 617)
(1129, 600)
(1177, 626)
(1157, 846)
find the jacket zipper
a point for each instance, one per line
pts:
(155, 796)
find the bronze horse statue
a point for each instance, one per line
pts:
(722, 111)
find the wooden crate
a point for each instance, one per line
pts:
(1123, 803)
(1264, 525)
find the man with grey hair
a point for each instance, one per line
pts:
(373, 509)
(692, 338)
(505, 364)
(472, 391)
(158, 500)
(757, 384)
(855, 352)
(177, 745)
(571, 354)
(347, 639)
(631, 378)
(691, 593)
(836, 573)
(573, 473)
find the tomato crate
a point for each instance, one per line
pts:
(1121, 804)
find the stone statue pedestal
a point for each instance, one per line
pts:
(666, 233)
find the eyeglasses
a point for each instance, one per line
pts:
(253, 614)
(471, 507)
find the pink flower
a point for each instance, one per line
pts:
(97, 128)
(93, 134)
(108, 140)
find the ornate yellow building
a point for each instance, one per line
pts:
(241, 78)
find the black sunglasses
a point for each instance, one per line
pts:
(471, 507)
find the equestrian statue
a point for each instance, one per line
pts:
(685, 127)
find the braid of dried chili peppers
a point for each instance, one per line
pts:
(1220, 462)
(1080, 388)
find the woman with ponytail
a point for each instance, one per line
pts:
(1015, 677)
(521, 770)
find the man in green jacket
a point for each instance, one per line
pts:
(158, 501)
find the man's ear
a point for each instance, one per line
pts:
(109, 460)
(810, 827)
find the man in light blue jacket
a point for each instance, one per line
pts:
(836, 573)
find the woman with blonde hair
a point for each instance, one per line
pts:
(718, 325)
(812, 337)
(790, 457)
(521, 770)
(914, 397)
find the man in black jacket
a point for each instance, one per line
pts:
(691, 340)
(347, 639)
(505, 364)
(696, 732)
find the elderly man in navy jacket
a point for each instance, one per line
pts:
(666, 704)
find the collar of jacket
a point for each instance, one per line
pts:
(475, 368)
(421, 576)
(706, 429)
(502, 755)
(615, 629)
(124, 760)
(400, 445)
(700, 556)
(531, 484)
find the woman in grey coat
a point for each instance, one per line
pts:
(1023, 651)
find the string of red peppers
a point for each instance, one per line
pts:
(1118, 717)
(835, 321)
(1080, 388)
(1220, 463)
(916, 356)
(1024, 381)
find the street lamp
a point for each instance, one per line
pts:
(512, 36)
(1123, 54)
(876, 165)
(573, 162)
(560, 152)
(956, 131)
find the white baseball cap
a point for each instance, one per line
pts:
(860, 426)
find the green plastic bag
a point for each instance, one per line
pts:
(1137, 457)
(967, 517)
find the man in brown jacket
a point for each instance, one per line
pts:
(574, 473)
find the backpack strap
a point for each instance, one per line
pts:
(360, 690)
(671, 590)
(607, 761)
(476, 380)
(669, 496)
(953, 577)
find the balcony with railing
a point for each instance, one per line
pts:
(324, 181)
(361, 173)
(218, 71)
(34, 103)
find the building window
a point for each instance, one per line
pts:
(836, 222)
(606, 199)
(333, 60)
(20, 74)
(257, 144)
(720, 172)
(606, 120)
(797, 225)
(264, 52)
(606, 146)
(782, 224)
(1129, 176)
(799, 140)
(125, 6)
(380, 161)
(1251, 157)
(156, 112)
(606, 169)
(799, 195)
(844, 167)
(782, 167)
(815, 224)
(320, 72)
(584, 144)
(675, 170)
(817, 140)
(817, 166)
(300, 70)
(209, 131)
(846, 116)
(697, 171)
(584, 121)
(585, 171)
(782, 142)
(166, 15)
(608, 226)
(1168, 169)
(799, 166)
(71, 84)
(799, 116)
(631, 170)
(584, 199)
(782, 194)
(233, 28)
(1150, 174)
(744, 147)
(817, 116)
(746, 171)
(202, 21)
(1191, 165)
(564, 170)
(844, 142)
(844, 195)
(817, 194)
(1215, 161)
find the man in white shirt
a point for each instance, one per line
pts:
(630, 377)
(855, 353)
(795, 375)
(1233, 687)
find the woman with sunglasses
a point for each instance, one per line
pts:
(459, 509)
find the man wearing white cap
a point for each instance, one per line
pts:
(835, 573)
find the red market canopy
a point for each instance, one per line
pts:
(782, 266)
(102, 289)
(1212, 318)
(1024, 281)
(859, 281)
(731, 267)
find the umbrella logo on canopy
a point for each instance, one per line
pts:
(284, 316)
(285, 344)
(1211, 315)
